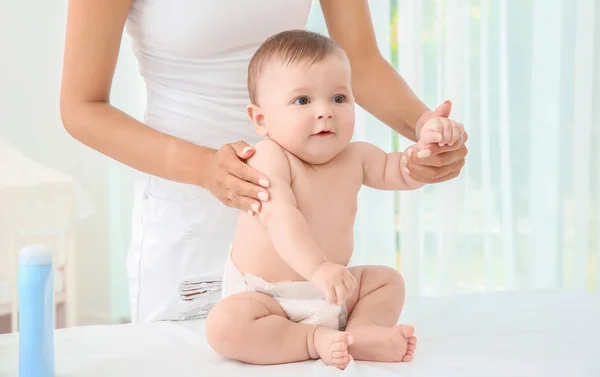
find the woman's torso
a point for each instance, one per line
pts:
(194, 54)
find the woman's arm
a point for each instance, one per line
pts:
(93, 38)
(377, 86)
(381, 91)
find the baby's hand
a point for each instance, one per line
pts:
(335, 281)
(441, 130)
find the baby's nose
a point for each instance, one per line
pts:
(325, 113)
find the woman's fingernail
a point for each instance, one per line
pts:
(263, 196)
(406, 170)
(409, 152)
(424, 153)
(263, 182)
(247, 149)
(255, 207)
(403, 161)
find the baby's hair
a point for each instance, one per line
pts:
(288, 47)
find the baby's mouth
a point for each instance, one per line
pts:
(324, 133)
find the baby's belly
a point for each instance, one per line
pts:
(253, 252)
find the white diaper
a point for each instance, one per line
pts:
(301, 301)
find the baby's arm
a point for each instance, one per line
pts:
(286, 226)
(384, 171)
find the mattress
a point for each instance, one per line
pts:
(540, 333)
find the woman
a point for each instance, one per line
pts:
(196, 136)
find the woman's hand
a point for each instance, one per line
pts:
(433, 163)
(235, 183)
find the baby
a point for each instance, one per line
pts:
(288, 294)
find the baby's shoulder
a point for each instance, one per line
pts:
(355, 151)
(268, 146)
(268, 153)
(270, 159)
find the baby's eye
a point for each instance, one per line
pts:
(301, 101)
(339, 98)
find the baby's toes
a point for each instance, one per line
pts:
(339, 347)
(407, 357)
(411, 346)
(407, 332)
(412, 340)
(342, 337)
(340, 359)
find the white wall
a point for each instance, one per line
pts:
(31, 41)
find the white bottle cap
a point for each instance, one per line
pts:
(35, 254)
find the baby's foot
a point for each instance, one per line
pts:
(332, 346)
(384, 344)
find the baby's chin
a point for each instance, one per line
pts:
(316, 156)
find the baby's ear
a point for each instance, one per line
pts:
(258, 119)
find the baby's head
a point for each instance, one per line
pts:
(301, 97)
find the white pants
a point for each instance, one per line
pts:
(301, 301)
(180, 241)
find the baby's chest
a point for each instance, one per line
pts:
(328, 193)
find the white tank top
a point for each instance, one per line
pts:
(194, 55)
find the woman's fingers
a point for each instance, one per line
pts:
(246, 173)
(235, 183)
(242, 149)
(433, 174)
(436, 155)
(241, 170)
(453, 174)
(246, 195)
(433, 163)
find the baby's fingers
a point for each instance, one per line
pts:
(330, 295)
(447, 131)
(457, 130)
(430, 137)
(341, 294)
(349, 283)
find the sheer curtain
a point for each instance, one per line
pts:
(525, 213)
(524, 79)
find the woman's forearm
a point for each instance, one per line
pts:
(110, 131)
(381, 91)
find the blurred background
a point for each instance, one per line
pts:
(524, 78)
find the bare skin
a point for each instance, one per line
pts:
(93, 36)
(374, 307)
(315, 174)
(371, 334)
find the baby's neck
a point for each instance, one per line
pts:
(311, 160)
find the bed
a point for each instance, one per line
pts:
(539, 333)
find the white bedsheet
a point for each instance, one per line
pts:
(495, 334)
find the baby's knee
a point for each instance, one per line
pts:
(223, 329)
(389, 276)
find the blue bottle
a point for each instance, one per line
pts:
(36, 314)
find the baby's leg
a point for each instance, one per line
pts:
(374, 310)
(251, 327)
